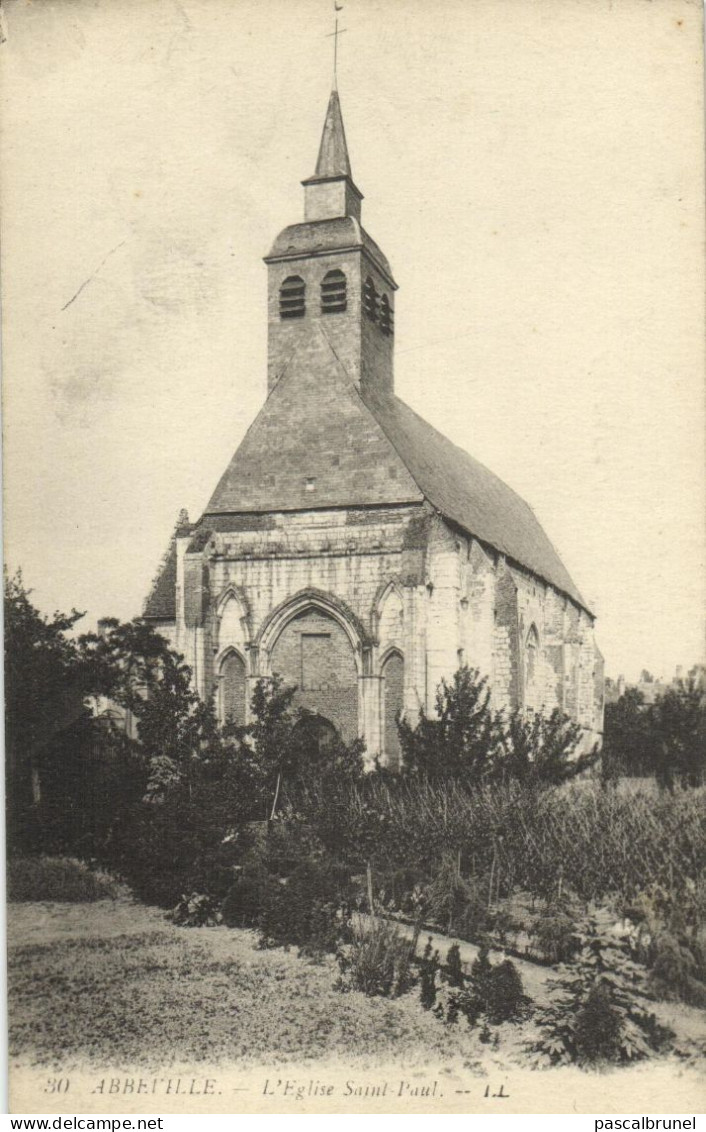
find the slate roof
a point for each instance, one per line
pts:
(333, 160)
(161, 601)
(319, 236)
(319, 442)
(313, 444)
(466, 492)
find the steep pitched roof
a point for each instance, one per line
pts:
(466, 492)
(161, 600)
(319, 442)
(313, 444)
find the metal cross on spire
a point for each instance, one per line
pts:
(335, 33)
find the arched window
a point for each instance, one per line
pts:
(370, 300)
(532, 698)
(291, 298)
(333, 292)
(387, 318)
(233, 689)
(392, 704)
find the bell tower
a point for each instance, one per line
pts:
(327, 272)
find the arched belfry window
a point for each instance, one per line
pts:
(333, 292)
(387, 318)
(370, 300)
(292, 302)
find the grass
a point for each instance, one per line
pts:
(60, 879)
(171, 995)
(113, 984)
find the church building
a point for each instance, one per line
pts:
(349, 546)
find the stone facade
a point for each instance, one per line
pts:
(348, 546)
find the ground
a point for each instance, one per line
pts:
(112, 985)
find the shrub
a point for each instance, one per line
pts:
(595, 1014)
(377, 961)
(678, 968)
(554, 933)
(598, 1027)
(195, 911)
(495, 991)
(454, 968)
(243, 902)
(308, 909)
(429, 967)
(57, 879)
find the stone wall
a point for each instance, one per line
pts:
(372, 583)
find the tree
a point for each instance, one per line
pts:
(44, 701)
(627, 747)
(677, 726)
(287, 751)
(463, 742)
(173, 729)
(470, 743)
(542, 749)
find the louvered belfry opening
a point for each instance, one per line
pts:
(370, 300)
(333, 292)
(292, 302)
(387, 318)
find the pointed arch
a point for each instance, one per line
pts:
(532, 665)
(388, 615)
(275, 623)
(232, 628)
(232, 687)
(392, 693)
(316, 646)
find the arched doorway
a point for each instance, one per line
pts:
(314, 653)
(232, 689)
(392, 705)
(316, 733)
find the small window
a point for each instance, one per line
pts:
(333, 293)
(387, 318)
(291, 298)
(370, 300)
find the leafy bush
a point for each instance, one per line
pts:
(377, 961)
(308, 909)
(242, 904)
(495, 991)
(541, 749)
(462, 741)
(57, 879)
(595, 1014)
(554, 933)
(195, 911)
(678, 968)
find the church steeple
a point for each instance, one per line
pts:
(331, 192)
(333, 160)
(326, 276)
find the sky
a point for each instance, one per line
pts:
(534, 173)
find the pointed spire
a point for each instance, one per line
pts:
(333, 158)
